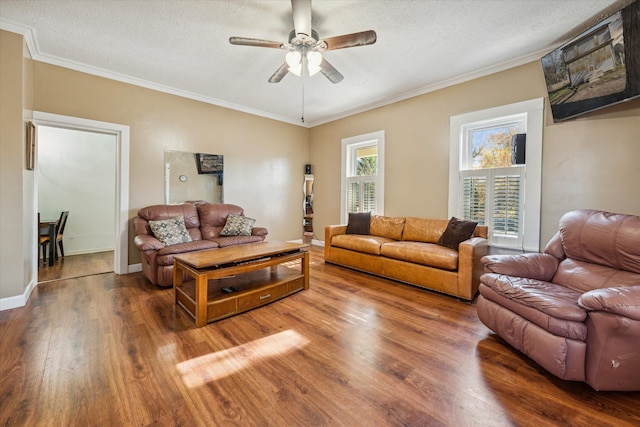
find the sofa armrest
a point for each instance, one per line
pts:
(474, 242)
(259, 231)
(333, 230)
(329, 232)
(146, 242)
(624, 301)
(531, 265)
(470, 252)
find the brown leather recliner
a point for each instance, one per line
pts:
(574, 309)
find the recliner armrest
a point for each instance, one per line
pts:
(146, 242)
(624, 301)
(531, 266)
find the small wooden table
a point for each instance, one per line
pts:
(255, 273)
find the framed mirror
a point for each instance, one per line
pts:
(193, 176)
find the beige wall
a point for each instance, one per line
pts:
(264, 159)
(587, 162)
(590, 162)
(16, 234)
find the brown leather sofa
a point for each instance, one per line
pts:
(203, 221)
(575, 308)
(406, 249)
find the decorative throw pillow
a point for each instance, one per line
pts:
(170, 231)
(457, 231)
(359, 223)
(237, 225)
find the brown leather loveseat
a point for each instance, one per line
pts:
(574, 309)
(204, 223)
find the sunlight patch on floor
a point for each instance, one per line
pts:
(213, 366)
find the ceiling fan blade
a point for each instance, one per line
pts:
(301, 16)
(279, 74)
(243, 41)
(329, 72)
(350, 40)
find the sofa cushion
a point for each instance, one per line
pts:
(359, 223)
(603, 238)
(555, 300)
(423, 230)
(224, 241)
(157, 212)
(170, 231)
(385, 226)
(428, 254)
(574, 329)
(584, 276)
(361, 243)
(213, 217)
(165, 255)
(457, 231)
(237, 225)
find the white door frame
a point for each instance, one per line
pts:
(121, 132)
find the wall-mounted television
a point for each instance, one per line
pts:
(599, 68)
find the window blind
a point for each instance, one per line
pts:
(474, 197)
(361, 194)
(506, 205)
(494, 197)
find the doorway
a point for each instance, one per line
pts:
(118, 160)
(76, 172)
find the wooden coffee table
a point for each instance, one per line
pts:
(255, 273)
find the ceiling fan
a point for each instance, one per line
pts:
(304, 56)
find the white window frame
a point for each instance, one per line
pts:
(533, 112)
(348, 146)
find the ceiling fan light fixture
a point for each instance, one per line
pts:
(294, 61)
(313, 62)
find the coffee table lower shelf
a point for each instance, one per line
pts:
(257, 288)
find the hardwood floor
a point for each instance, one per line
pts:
(76, 266)
(353, 350)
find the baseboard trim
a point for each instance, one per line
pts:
(89, 251)
(134, 268)
(18, 300)
(314, 242)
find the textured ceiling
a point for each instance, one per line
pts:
(182, 46)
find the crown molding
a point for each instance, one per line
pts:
(32, 45)
(35, 53)
(439, 85)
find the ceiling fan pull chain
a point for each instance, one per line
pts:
(302, 118)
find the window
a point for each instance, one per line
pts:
(485, 186)
(362, 175)
(491, 191)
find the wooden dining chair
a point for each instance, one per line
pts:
(44, 236)
(61, 226)
(46, 240)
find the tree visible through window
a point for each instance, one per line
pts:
(491, 148)
(367, 165)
